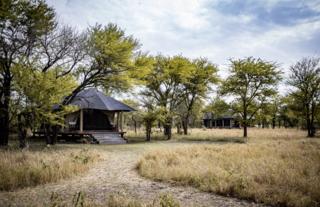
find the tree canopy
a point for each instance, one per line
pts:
(250, 81)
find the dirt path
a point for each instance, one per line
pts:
(116, 173)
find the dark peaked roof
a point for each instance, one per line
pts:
(93, 99)
(210, 115)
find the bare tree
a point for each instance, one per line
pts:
(305, 78)
(63, 49)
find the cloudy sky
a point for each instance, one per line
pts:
(281, 31)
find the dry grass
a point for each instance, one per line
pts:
(277, 167)
(20, 169)
(114, 200)
(221, 135)
(140, 136)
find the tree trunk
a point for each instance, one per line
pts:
(179, 128)
(4, 110)
(22, 131)
(309, 128)
(47, 134)
(148, 132)
(273, 122)
(308, 121)
(185, 125)
(245, 124)
(312, 128)
(168, 128)
(168, 131)
(245, 130)
(54, 134)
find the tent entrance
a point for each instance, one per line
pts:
(96, 120)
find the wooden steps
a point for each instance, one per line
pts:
(108, 138)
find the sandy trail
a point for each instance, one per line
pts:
(116, 173)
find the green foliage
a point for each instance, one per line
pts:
(153, 115)
(162, 77)
(41, 91)
(150, 117)
(251, 78)
(22, 23)
(200, 78)
(218, 106)
(175, 83)
(111, 58)
(133, 118)
(198, 82)
(167, 200)
(250, 81)
(31, 18)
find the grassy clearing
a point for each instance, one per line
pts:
(140, 136)
(113, 200)
(279, 167)
(20, 169)
(221, 135)
(235, 135)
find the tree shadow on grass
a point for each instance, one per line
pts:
(239, 140)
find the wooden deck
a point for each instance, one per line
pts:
(94, 137)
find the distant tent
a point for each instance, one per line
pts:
(223, 121)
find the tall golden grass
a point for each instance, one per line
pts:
(20, 169)
(277, 167)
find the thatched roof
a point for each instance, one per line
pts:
(94, 99)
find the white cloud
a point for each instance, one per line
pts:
(195, 28)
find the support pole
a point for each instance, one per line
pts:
(121, 120)
(81, 120)
(117, 121)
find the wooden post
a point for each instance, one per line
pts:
(81, 120)
(222, 123)
(121, 120)
(117, 121)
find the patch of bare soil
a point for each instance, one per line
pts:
(116, 173)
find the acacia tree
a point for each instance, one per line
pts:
(149, 118)
(21, 23)
(109, 57)
(195, 86)
(162, 79)
(305, 78)
(274, 109)
(57, 51)
(133, 118)
(250, 79)
(39, 92)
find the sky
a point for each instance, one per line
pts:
(281, 31)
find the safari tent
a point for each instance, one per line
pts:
(98, 115)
